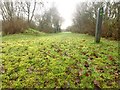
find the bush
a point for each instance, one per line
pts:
(13, 26)
(33, 32)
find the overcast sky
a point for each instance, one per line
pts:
(66, 9)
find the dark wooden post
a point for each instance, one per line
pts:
(118, 22)
(98, 25)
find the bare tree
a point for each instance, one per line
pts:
(50, 20)
(84, 20)
(29, 8)
(7, 9)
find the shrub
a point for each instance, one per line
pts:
(13, 26)
(33, 32)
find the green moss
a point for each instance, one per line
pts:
(58, 60)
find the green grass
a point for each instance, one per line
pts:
(64, 60)
(33, 32)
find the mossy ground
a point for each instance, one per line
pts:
(64, 60)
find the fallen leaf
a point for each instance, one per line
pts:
(110, 58)
(2, 70)
(86, 74)
(97, 85)
(80, 72)
(77, 81)
(86, 64)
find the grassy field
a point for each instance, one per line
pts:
(63, 60)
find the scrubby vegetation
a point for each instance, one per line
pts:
(84, 20)
(63, 60)
(31, 31)
(19, 16)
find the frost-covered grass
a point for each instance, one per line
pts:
(64, 60)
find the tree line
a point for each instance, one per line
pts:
(84, 20)
(18, 16)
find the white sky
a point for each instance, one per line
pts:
(66, 9)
